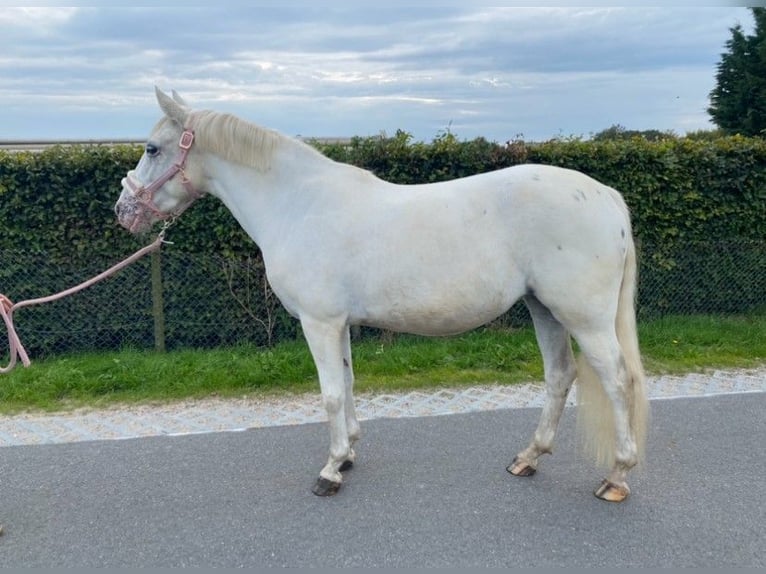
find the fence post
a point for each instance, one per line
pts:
(158, 304)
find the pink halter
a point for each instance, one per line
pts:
(144, 194)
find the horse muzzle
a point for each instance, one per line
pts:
(131, 214)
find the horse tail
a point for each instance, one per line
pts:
(595, 411)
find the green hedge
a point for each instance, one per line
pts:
(698, 205)
(60, 201)
(677, 188)
(699, 210)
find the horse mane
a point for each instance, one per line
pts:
(237, 140)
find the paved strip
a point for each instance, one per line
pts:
(216, 415)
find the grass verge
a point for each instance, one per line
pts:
(395, 363)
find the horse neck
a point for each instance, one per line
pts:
(266, 202)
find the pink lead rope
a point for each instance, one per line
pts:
(15, 348)
(145, 196)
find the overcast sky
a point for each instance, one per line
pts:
(501, 73)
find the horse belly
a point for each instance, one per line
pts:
(438, 268)
(433, 321)
(441, 308)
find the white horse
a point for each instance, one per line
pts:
(343, 247)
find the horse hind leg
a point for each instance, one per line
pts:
(559, 366)
(606, 412)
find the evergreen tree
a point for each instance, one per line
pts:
(738, 101)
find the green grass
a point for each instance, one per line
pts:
(394, 363)
(689, 344)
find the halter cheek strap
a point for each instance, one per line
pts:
(144, 194)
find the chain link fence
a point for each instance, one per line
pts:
(174, 300)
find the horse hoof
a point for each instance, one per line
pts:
(519, 468)
(612, 492)
(325, 487)
(347, 465)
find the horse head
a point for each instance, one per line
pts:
(166, 180)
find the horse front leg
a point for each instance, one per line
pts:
(328, 342)
(352, 424)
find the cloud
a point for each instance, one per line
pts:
(33, 20)
(89, 72)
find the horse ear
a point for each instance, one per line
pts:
(171, 108)
(177, 97)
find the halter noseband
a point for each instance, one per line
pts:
(144, 194)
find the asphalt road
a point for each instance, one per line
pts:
(425, 492)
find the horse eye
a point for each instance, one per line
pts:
(152, 150)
